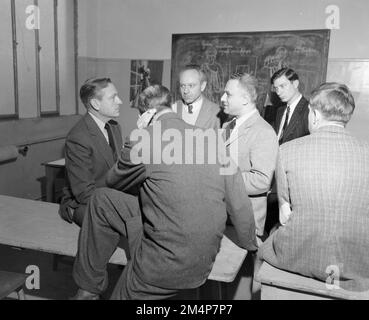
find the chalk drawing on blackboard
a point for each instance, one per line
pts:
(258, 53)
(276, 61)
(214, 73)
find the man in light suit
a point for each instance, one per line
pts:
(291, 119)
(173, 234)
(195, 108)
(252, 143)
(323, 193)
(91, 147)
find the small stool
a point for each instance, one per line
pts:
(12, 282)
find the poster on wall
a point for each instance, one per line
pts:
(143, 74)
(257, 53)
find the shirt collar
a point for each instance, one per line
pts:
(195, 105)
(100, 124)
(295, 102)
(243, 118)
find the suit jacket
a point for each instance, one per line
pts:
(255, 149)
(184, 209)
(325, 179)
(210, 115)
(299, 123)
(88, 157)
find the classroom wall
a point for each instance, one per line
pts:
(25, 177)
(113, 31)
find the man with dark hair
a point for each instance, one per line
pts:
(91, 147)
(292, 119)
(173, 234)
(323, 191)
(291, 122)
(194, 108)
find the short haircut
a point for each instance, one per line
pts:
(194, 67)
(155, 96)
(290, 74)
(334, 101)
(91, 89)
(249, 83)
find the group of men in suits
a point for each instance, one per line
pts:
(161, 209)
(173, 233)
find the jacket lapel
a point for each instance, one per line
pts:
(99, 140)
(278, 118)
(295, 118)
(242, 129)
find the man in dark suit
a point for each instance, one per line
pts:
(91, 147)
(323, 191)
(291, 119)
(291, 122)
(194, 108)
(175, 225)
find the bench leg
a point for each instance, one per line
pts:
(20, 294)
(55, 262)
(221, 291)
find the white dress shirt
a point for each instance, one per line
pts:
(190, 118)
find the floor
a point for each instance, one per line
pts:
(59, 284)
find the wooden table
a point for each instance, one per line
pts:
(53, 170)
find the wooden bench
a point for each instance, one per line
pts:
(37, 225)
(277, 284)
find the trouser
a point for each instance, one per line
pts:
(111, 214)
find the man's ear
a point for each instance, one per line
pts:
(318, 115)
(203, 86)
(296, 83)
(95, 104)
(246, 98)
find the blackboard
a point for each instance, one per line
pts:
(258, 53)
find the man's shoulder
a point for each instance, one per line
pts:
(80, 129)
(261, 124)
(296, 144)
(210, 104)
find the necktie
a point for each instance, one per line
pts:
(285, 123)
(108, 127)
(230, 127)
(190, 107)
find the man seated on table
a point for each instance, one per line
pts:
(91, 147)
(175, 224)
(323, 192)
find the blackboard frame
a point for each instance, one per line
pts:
(197, 47)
